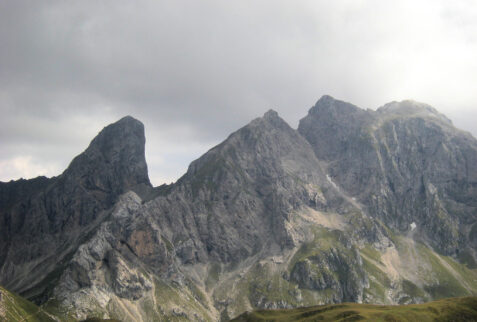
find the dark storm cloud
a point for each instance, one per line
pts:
(193, 71)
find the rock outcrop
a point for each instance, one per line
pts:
(45, 220)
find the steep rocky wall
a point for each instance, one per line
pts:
(405, 162)
(44, 220)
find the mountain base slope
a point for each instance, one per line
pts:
(453, 309)
(16, 308)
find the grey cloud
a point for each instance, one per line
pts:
(195, 71)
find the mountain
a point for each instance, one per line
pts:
(354, 206)
(406, 163)
(45, 220)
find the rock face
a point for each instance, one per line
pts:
(236, 199)
(363, 206)
(335, 268)
(405, 162)
(44, 220)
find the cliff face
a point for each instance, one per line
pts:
(406, 163)
(362, 206)
(236, 199)
(44, 220)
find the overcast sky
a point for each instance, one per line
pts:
(194, 71)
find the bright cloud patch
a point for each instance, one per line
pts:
(25, 167)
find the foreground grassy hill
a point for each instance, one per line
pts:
(453, 309)
(15, 308)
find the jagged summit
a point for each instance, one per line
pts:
(411, 108)
(271, 114)
(269, 120)
(118, 150)
(259, 144)
(330, 104)
(126, 132)
(409, 105)
(331, 117)
(406, 108)
(327, 99)
(127, 118)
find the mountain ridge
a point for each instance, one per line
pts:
(354, 205)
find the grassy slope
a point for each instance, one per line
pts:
(423, 275)
(16, 308)
(454, 309)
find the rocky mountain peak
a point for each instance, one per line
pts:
(48, 222)
(405, 105)
(270, 120)
(411, 108)
(271, 114)
(125, 136)
(118, 152)
(333, 118)
(403, 151)
(263, 138)
(331, 105)
(326, 99)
